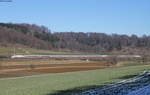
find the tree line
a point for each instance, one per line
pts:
(34, 36)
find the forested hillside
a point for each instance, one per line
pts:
(40, 37)
(26, 35)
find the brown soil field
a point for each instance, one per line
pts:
(28, 70)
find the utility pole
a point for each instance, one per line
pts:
(14, 51)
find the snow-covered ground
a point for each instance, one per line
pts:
(142, 91)
(139, 85)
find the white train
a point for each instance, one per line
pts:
(74, 56)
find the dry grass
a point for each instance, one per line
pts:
(43, 61)
(10, 51)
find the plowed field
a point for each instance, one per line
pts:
(28, 70)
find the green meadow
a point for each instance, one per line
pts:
(67, 83)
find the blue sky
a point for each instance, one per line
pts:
(106, 16)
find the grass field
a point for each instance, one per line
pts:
(60, 83)
(42, 61)
(8, 51)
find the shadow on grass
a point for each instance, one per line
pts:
(75, 90)
(127, 77)
(85, 88)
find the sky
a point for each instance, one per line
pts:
(104, 16)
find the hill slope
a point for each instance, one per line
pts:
(40, 37)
